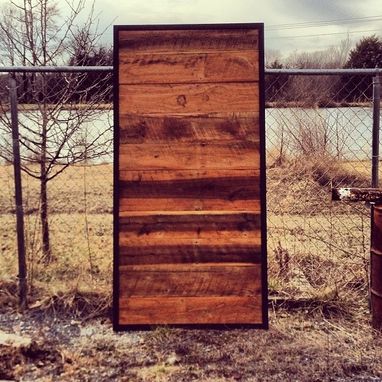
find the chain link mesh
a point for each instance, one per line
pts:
(318, 135)
(65, 122)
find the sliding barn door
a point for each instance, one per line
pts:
(189, 204)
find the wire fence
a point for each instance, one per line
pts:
(319, 134)
(319, 128)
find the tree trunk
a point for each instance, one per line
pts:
(46, 251)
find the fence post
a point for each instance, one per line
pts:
(22, 276)
(375, 253)
(375, 141)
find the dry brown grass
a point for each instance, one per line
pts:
(361, 168)
(76, 190)
(298, 347)
(318, 264)
(80, 205)
(318, 250)
(324, 245)
(302, 220)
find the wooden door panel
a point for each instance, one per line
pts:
(189, 176)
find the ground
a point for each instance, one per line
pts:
(299, 346)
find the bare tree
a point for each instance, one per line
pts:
(317, 90)
(52, 124)
(271, 56)
(333, 57)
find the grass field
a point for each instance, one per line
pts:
(318, 275)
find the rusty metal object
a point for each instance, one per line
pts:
(376, 268)
(371, 195)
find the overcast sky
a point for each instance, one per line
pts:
(351, 18)
(290, 25)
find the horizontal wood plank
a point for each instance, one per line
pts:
(190, 310)
(154, 229)
(190, 280)
(199, 251)
(205, 40)
(138, 68)
(205, 155)
(190, 176)
(151, 222)
(210, 184)
(180, 239)
(171, 129)
(189, 190)
(182, 204)
(189, 99)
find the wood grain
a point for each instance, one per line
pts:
(206, 155)
(189, 228)
(190, 310)
(171, 129)
(195, 238)
(188, 40)
(189, 190)
(190, 280)
(164, 253)
(145, 223)
(189, 210)
(186, 99)
(159, 68)
(182, 204)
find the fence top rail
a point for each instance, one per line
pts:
(85, 69)
(320, 72)
(46, 69)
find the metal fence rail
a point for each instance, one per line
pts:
(85, 69)
(322, 130)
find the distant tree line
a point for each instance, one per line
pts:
(325, 90)
(34, 87)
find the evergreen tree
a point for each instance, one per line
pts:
(366, 54)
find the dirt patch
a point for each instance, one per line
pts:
(297, 347)
(18, 360)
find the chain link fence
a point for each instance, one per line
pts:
(319, 129)
(66, 144)
(318, 135)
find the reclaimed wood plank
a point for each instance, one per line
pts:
(205, 40)
(179, 239)
(189, 190)
(223, 178)
(187, 228)
(189, 99)
(181, 204)
(190, 310)
(206, 155)
(173, 129)
(145, 223)
(190, 280)
(196, 251)
(138, 68)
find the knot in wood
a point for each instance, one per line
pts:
(181, 100)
